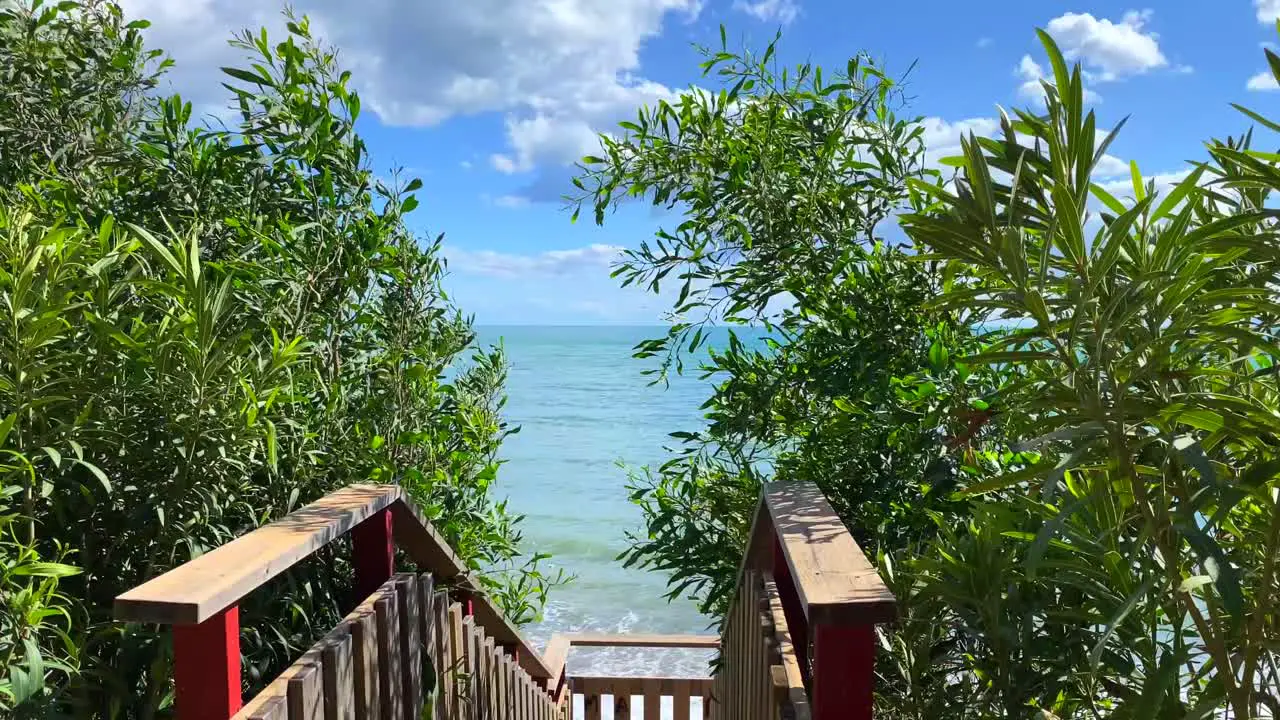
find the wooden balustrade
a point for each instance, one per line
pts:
(799, 639)
(621, 692)
(798, 642)
(485, 666)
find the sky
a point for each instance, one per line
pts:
(490, 102)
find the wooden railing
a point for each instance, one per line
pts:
(798, 642)
(799, 639)
(376, 664)
(622, 692)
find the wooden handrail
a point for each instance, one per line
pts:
(709, 642)
(825, 598)
(200, 597)
(195, 591)
(836, 583)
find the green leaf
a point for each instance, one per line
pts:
(1139, 189)
(1216, 565)
(6, 425)
(1113, 624)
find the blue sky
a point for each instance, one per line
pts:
(490, 101)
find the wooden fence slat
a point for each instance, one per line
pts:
(364, 655)
(339, 682)
(471, 709)
(591, 704)
(680, 701)
(622, 706)
(390, 674)
(306, 694)
(456, 663)
(490, 678)
(652, 705)
(501, 691)
(410, 639)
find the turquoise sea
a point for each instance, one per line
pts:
(582, 406)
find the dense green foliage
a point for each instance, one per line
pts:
(206, 325)
(1051, 416)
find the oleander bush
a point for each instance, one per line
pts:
(207, 323)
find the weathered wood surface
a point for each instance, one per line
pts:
(836, 583)
(709, 642)
(618, 692)
(195, 591)
(371, 667)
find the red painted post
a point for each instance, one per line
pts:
(206, 667)
(374, 554)
(843, 671)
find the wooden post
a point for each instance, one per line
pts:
(843, 671)
(206, 667)
(374, 553)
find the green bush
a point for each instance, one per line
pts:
(1053, 426)
(205, 328)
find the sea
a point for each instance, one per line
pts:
(585, 413)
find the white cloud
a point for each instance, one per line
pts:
(1263, 81)
(780, 11)
(1110, 166)
(1123, 188)
(1113, 49)
(558, 69)
(1268, 10)
(1031, 90)
(984, 42)
(596, 257)
(511, 202)
(942, 138)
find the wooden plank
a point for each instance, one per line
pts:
(364, 656)
(442, 660)
(390, 668)
(410, 638)
(455, 662)
(622, 706)
(420, 540)
(556, 655)
(497, 626)
(195, 591)
(652, 703)
(491, 679)
(278, 688)
(795, 691)
(276, 708)
(836, 583)
(638, 685)
(337, 674)
(306, 693)
(591, 705)
(709, 642)
(470, 687)
(680, 695)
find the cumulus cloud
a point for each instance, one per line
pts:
(596, 257)
(1123, 188)
(942, 139)
(558, 69)
(1268, 10)
(1031, 73)
(1113, 50)
(1263, 81)
(779, 11)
